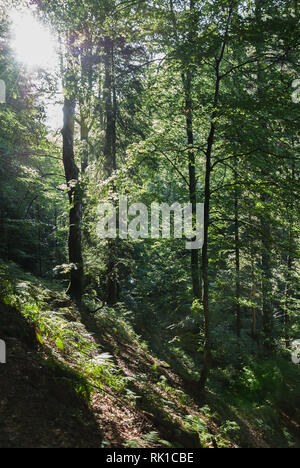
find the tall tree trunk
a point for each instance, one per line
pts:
(75, 199)
(187, 82)
(237, 251)
(110, 163)
(266, 263)
(288, 295)
(40, 260)
(207, 195)
(253, 307)
(84, 136)
(205, 277)
(205, 297)
(290, 260)
(265, 220)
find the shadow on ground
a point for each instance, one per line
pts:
(39, 406)
(134, 361)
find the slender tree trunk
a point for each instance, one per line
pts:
(253, 308)
(205, 297)
(187, 82)
(290, 261)
(265, 220)
(55, 224)
(84, 136)
(110, 164)
(287, 299)
(207, 195)
(38, 210)
(86, 82)
(205, 277)
(266, 262)
(237, 253)
(75, 199)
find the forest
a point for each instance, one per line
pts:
(149, 225)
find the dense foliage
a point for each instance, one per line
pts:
(166, 101)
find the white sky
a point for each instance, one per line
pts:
(33, 43)
(35, 46)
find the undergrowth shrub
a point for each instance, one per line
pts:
(61, 328)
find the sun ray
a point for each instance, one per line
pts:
(33, 43)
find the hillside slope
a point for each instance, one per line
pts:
(83, 378)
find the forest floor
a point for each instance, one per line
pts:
(56, 390)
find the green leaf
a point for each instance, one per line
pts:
(60, 344)
(40, 338)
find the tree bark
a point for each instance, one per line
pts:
(75, 199)
(208, 172)
(237, 253)
(187, 82)
(266, 263)
(253, 307)
(205, 297)
(290, 261)
(265, 220)
(110, 163)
